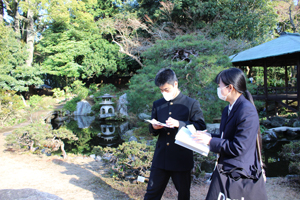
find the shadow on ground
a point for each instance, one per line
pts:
(89, 178)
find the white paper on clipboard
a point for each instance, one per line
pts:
(184, 138)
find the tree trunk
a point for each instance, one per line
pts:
(62, 148)
(30, 37)
(128, 53)
(16, 19)
(291, 19)
(1, 11)
(24, 102)
(31, 146)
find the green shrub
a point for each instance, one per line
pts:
(68, 91)
(262, 129)
(132, 159)
(129, 159)
(31, 136)
(35, 101)
(93, 88)
(79, 89)
(195, 75)
(143, 131)
(37, 136)
(72, 104)
(291, 152)
(57, 92)
(11, 108)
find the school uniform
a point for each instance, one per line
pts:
(237, 146)
(170, 159)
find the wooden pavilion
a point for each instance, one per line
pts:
(281, 52)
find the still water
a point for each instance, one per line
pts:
(275, 165)
(91, 132)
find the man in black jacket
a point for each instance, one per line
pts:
(170, 159)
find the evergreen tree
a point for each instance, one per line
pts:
(195, 59)
(238, 19)
(15, 74)
(70, 52)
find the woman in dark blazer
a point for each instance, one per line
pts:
(239, 128)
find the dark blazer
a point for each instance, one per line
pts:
(168, 155)
(237, 148)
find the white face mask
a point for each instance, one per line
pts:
(167, 96)
(220, 95)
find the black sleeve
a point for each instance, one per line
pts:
(196, 117)
(153, 116)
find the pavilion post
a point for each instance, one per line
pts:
(298, 83)
(250, 71)
(266, 85)
(286, 85)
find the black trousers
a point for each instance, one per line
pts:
(159, 179)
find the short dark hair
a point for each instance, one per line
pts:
(164, 76)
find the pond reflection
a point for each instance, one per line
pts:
(92, 132)
(276, 165)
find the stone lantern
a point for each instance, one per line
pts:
(107, 129)
(109, 135)
(107, 132)
(106, 109)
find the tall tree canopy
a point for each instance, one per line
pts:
(15, 74)
(196, 61)
(289, 16)
(84, 39)
(73, 47)
(244, 19)
(70, 52)
(32, 16)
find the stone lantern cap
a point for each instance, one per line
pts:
(106, 99)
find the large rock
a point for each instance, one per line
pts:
(291, 133)
(213, 128)
(143, 116)
(285, 128)
(127, 135)
(277, 121)
(122, 105)
(286, 131)
(124, 127)
(84, 121)
(266, 123)
(269, 145)
(296, 123)
(132, 138)
(26, 194)
(269, 136)
(83, 108)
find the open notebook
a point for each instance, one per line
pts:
(184, 138)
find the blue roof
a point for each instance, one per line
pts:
(287, 43)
